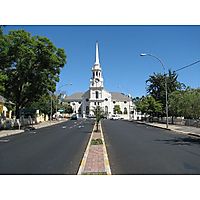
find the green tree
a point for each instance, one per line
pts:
(117, 109)
(66, 107)
(3, 76)
(43, 104)
(148, 105)
(99, 114)
(1, 30)
(32, 65)
(156, 86)
(185, 103)
(175, 104)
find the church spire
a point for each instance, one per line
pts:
(97, 54)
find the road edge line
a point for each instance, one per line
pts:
(105, 154)
(83, 161)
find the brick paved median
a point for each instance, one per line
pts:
(95, 161)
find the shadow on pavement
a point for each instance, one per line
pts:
(181, 141)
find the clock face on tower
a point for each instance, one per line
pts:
(96, 80)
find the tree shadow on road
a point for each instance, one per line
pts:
(182, 141)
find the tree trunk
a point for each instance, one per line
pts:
(97, 126)
(17, 111)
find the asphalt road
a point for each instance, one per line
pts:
(139, 149)
(56, 149)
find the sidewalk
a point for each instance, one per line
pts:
(4, 133)
(95, 159)
(189, 130)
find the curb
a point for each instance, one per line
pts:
(15, 132)
(188, 133)
(83, 161)
(9, 134)
(178, 131)
(154, 126)
(193, 134)
(105, 155)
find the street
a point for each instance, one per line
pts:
(139, 149)
(56, 149)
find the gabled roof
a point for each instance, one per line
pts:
(2, 99)
(74, 97)
(116, 96)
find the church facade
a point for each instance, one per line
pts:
(112, 103)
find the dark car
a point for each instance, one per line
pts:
(73, 117)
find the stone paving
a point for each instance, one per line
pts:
(95, 161)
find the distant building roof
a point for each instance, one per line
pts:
(116, 96)
(74, 97)
(2, 99)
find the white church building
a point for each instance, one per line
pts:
(83, 104)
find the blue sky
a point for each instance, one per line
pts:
(119, 47)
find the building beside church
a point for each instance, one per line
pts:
(83, 103)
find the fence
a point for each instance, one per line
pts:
(16, 123)
(176, 121)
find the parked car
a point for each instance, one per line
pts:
(73, 117)
(115, 117)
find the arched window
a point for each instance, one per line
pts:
(87, 110)
(125, 111)
(106, 110)
(93, 74)
(96, 73)
(79, 110)
(97, 94)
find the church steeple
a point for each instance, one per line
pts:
(97, 79)
(97, 54)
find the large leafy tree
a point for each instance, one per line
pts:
(1, 30)
(32, 65)
(43, 104)
(148, 105)
(3, 76)
(185, 103)
(156, 86)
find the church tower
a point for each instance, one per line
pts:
(96, 82)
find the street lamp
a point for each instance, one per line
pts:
(166, 98)
(57, 96)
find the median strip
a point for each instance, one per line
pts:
(95, 160)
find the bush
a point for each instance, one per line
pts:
(96, 141)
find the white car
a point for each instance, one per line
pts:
(115, 117)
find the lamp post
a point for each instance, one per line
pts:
(57, 96)
(166, 97)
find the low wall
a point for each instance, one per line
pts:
(176, 121)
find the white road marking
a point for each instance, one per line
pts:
(4, 140)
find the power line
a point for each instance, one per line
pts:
(187, 66)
